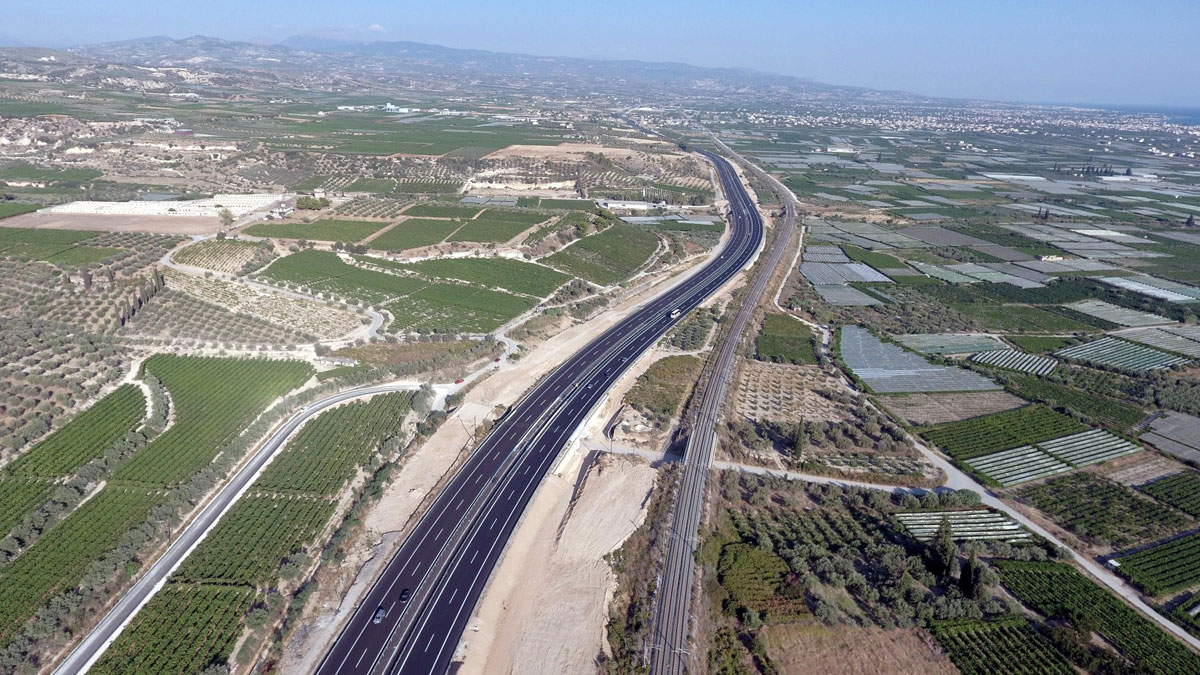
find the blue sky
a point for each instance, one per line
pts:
(1144, 52)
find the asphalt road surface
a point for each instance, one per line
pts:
(670, 653)
(92, 646)
(446, 561)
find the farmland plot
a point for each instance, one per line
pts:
(1017, 465)
(786, 393)
(938, 343)
(414, 233)
(488, 231)
(319, 230)
(454, 308)
(942, 408)
(1109, 351)
(214, 399)
(1165, 568)
(84, 438)
(1052, 587)
(1005, 645)
(1012, 359)
(1103, 512)
(1181, 490)
(1176, 434)
(294, 314)
(1088, 447)
(1163, 339)
(435, 210)
(608, 257)
(505, 273)
(221, 255)
(887, 368)
(981, 435)
(1122, 316)
(324, 272)
(976, 524)
(1115, 414)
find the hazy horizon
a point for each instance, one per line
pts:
(1073, 53)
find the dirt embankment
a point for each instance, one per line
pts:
(547, 608)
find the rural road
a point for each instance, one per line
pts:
(448, 558)
(92, 646)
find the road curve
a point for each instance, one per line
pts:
(447, 559)
(671, 617)
(92, 647)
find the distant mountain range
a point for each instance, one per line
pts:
(414, 63)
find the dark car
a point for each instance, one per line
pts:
(405, 595)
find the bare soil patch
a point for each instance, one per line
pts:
(94, 223)
(1142, 468)
(939, 408)
(383, 354)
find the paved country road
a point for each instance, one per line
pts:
(448, 558)
(92, 646)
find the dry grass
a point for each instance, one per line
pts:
(939, 408)
(383, 354)
(806, 647)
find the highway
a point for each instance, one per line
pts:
(93, 645)
(448, 558)
(671, 617)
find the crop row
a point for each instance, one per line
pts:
(452, 308)
(1102, 511)
(1008, 429)
(328, 450)
(1056, 588)
(319, 230)
(511, 275)
(85, 437)
(1104, 410)
(251, 541)
(1181, 491)
(214, 400)
(608, 257)
(183, 629)
(58, 560)
(19, 496)
(1165, 568)
(1006, 645)
(414, 233)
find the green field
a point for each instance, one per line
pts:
(1004, 318)
(84, 438)
(1058, 589)
(1005, 645)
(453, 308)
(376, 133)
(1101, 511)
(184, 628)
(505, 273)
(63, 555)
(438, 210)
(319, 230)
(876, 260)
(1166, 568)
(566, 204)
(502, 216)
(309, 184)
(1109, 412)
(1008, 429)
(55, 246)
(414, 233)
(782, 339)
(1181, 491)
(488, 231)
(375, 185)
(213, 399)
(324, 272)
(608, 257)
(324, 456)
(273, 532)
(8, 209)
(33, 173)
